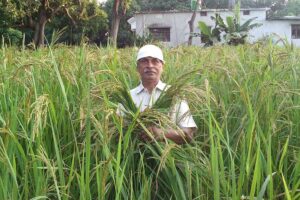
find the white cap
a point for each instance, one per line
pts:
(150, 50)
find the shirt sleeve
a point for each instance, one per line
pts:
(181, 115)
(120, 110)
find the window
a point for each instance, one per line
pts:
(203, 13)
(295, 31)
(161, 34)
(246, 12)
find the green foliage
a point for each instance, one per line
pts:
(8, 14)
(237, 33)
(215, 3)
(244, 3)
(194, 5)
(15, 14)
(85, 19)
(143, 40)
(11, 36)
(125, 36)
(292, 8)
(60, 137)
(148, 5)
(233, 32)
(58, 125)
(257, 3)
(210, 36)
(91, 28)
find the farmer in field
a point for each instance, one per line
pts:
(150, 64)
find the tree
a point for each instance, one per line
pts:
(119, 10)
(37, 13)
(158, 5)
(215, 3)
(244, 3)
(92, 27)
(191, 22)
(292, 8)
(283, 7)
(8, 16)
(125, 35)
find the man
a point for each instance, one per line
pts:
(150, 63)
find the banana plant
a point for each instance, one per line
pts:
(233, 32)
(237, 33)
(209, 35)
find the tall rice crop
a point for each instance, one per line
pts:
(61, 137)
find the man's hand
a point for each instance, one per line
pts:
(185, 136)
(157, 134)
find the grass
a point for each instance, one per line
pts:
(61, 138)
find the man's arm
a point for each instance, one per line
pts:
(179, 137)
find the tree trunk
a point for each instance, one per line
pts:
(115, 30)
(115, 23)
(39, 33)
(39, 30)
(117, 15)
(191, 24)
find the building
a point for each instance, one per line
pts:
(172, 27)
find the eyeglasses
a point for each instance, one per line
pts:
(148, 60)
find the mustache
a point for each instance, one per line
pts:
(149, 70)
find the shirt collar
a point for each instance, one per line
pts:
(139, 88)
(160, 85)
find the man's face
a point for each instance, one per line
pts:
(150, 68)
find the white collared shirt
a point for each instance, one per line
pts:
(179, 114)
(143, 99)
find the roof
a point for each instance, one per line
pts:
(205, 10)
(292, 18)
(132, 23)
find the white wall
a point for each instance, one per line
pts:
(179, 29)
(281, 28)
(178, 24)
